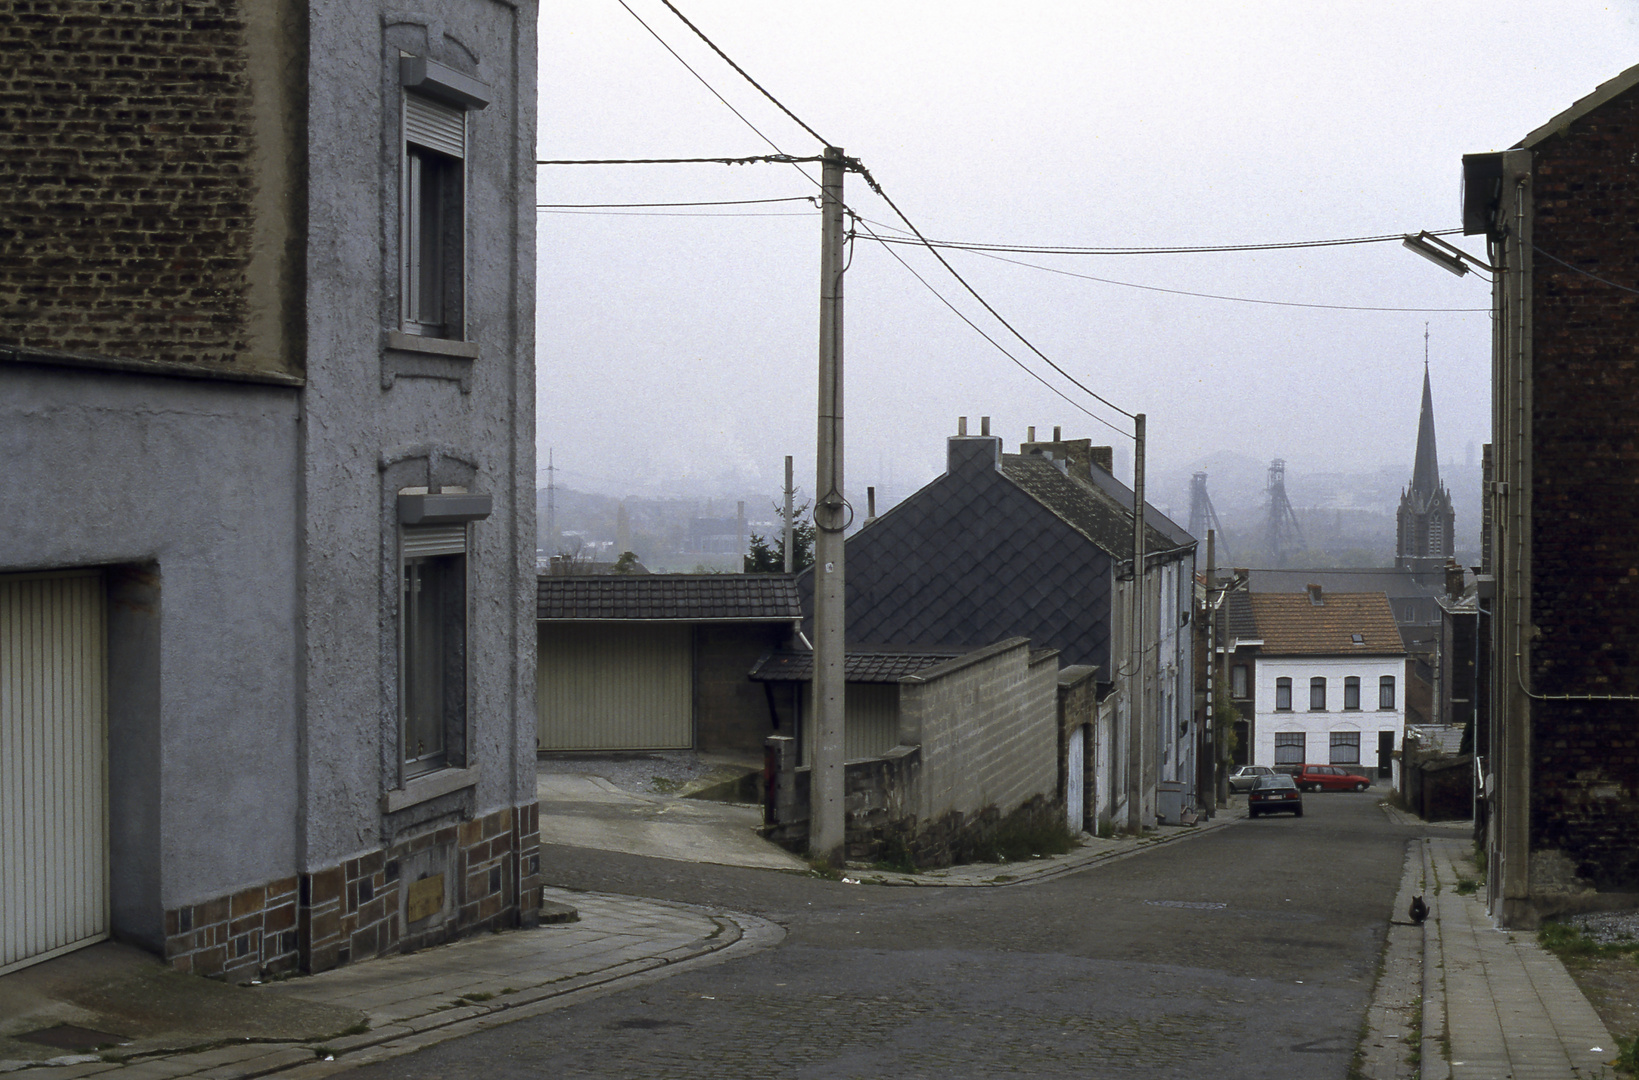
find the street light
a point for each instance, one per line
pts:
(1444, 255)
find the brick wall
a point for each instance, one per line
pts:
(128, 180)
(485, 874)
(1585, 493)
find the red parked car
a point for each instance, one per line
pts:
(1330, 778)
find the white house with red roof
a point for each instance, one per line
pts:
(1330, 675)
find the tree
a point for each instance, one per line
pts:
(769, 558)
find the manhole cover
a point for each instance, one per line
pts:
(1193, 905)
(69, 1037)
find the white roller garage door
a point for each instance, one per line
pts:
(53, 766)
(615, 686)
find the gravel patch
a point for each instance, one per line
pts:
(1610, 927)
(659, 772)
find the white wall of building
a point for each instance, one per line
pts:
(1317, 726)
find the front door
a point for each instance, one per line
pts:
(1385, 753)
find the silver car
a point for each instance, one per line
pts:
(1242, 779)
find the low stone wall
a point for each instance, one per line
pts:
(425, 888)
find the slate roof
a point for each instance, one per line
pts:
(1292, 626)
(876, 666)
(1395, 582)
(669, 598)
(1238, 622)
(1100, 510)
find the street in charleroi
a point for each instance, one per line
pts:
(1243, 951)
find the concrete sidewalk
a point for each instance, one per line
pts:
(1459, 999)
(418, 999)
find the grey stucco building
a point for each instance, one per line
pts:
(267, 648)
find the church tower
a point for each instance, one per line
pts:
(1426, 519)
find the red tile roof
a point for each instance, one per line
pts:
(1289, 624)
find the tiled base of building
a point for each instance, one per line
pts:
(424, 888)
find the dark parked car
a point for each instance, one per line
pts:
(1276, 794)
(1331, 778)
(1247, 775)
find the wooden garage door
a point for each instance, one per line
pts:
(613, 686)
(53, 766)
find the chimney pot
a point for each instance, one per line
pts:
(984, 425)
(1058, 433)
(1031, 437)
(961, 425)
(870, 504)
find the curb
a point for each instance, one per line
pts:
(1003, 875)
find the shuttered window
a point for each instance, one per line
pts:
(433, 648)
(433, 240)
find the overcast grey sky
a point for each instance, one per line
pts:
(678, 353)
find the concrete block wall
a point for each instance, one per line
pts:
(1584, 602)
(987, 723)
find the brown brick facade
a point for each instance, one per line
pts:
(360, 909)
(129, 213)
(1585, 512)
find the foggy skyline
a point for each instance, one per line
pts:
(677, 346)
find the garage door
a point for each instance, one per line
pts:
(603, 686)
(53, 766)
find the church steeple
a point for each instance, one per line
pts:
(1425, 472)
(1427, 522)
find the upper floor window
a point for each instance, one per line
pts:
(1317, 694)
(1283, 695)
(1351, 692)
(1385, 692)
(1237, 681)
(433, 214)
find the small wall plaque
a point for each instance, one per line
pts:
(425, 899)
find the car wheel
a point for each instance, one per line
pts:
(1251, 813)
(1298, 812)
(1360, 787)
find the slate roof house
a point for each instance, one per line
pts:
(1558, 592)
(1038, 544)
(266, 397)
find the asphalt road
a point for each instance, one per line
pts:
(1244, 952)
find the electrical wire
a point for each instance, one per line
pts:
(1177, 249)
(883, 195)
(822, 140)
(677, 213)
(1584, 273)
(650, 205)
(1217, 296)
(695, 73)
(978, 330)
(755, 159)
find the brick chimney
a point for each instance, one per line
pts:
(1079, 456)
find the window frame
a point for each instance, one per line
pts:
(1351, 693)
(1288, 739)
(443, 167)
(1239, 682)
(1343, 739)
(1283, 694)
(1317, 694)
(1386, 693)
(454, 681)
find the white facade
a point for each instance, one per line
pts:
(1299, 733)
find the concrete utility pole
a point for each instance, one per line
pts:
(827, 825)
(1206, 783)
(790, 493)
(1135, 691)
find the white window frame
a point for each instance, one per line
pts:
(1344, 739)
(1284, 740)
(419, 545)
(1386, 692)
(1283, 694)
(435, 135)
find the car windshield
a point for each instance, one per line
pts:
(1276, 781)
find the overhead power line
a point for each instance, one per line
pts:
(653, 205)
(1177, 249)
(753, 159)
(730, 62)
